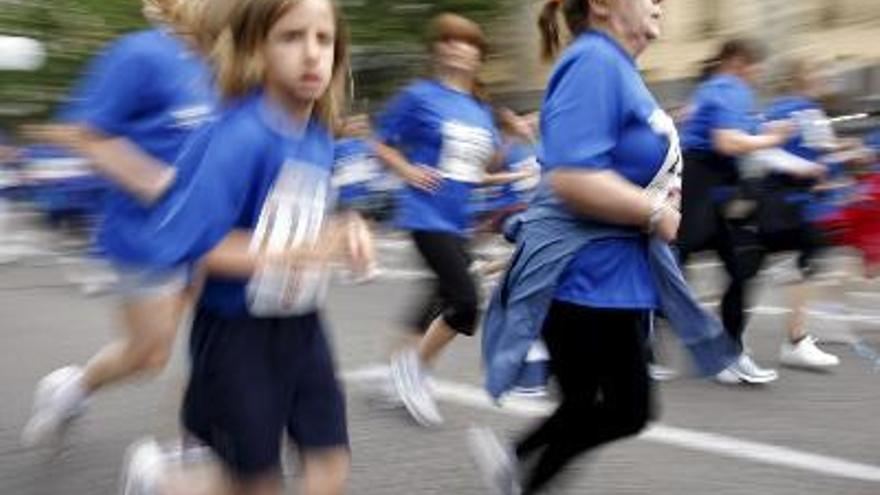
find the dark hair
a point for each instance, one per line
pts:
(449, 26)
(576, 14)
(747, 49)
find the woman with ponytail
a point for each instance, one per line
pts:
(593, 258)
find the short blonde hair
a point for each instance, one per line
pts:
(239, 64)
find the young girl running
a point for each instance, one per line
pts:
(261, 363)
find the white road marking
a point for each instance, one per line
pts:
(471, 396)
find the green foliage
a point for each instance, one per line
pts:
(72, 31)
(387, 35)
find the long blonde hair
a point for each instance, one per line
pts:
(200, 21)
(238, 59)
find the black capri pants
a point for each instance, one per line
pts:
(454, 292)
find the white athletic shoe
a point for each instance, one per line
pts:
(805, 354)
(56, 404)
(386, 396)
(745, 370)
(143, 469)
(412, 388)
(496, 462)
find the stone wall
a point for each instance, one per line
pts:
(844, 30)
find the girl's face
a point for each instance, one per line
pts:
(299, 50)
(458, 55)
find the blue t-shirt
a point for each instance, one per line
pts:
(231, 167)
(439, 127)
(149, 88)
(873, 141)
(356, 170)
(722, 102)
(518, 156)
(812, 123)
(801, 110)
(599, 115)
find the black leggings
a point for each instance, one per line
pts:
(454, 295)
(742, 255)
(705, 228)
(742, 246)
(599, 359)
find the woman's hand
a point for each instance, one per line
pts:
(346, 240)
(780, 131)
(667, 227)
(423, 178)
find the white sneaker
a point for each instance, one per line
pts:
(805, 354)
(728, 377)
(745, 370)
(143, 469)
(496, 462)
(411, 385)
(56, 404)
(386, 396)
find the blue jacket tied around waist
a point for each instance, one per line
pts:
(547, 238)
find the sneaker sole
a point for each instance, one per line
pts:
(758, 381)
(809, 367)
(410, 405)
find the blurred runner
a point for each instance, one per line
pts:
(439, 136)
(131, 114)
(722, 126)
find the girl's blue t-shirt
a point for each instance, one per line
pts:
(452, 132)
(149, 88)
(599, 115)
(229, 169)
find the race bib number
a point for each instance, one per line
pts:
(666, 184)
(465, 153)
(293, 216)
(357, 169)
